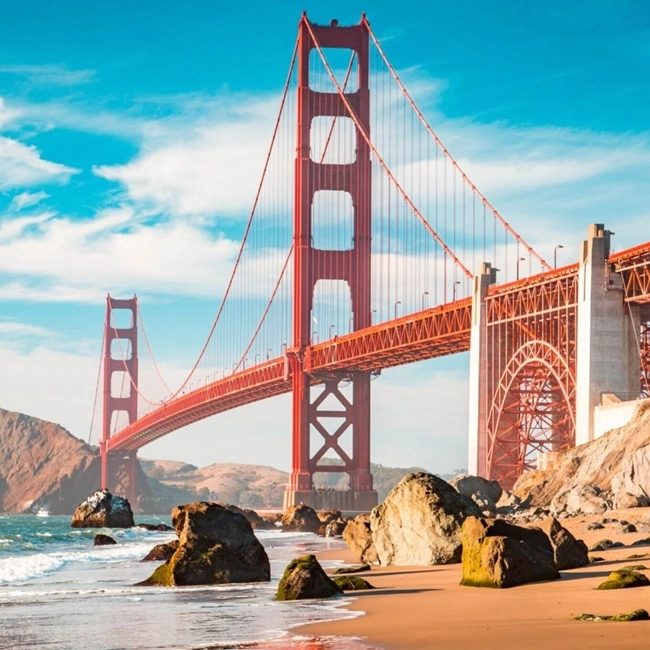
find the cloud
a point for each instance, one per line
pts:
(16, 329)
(21, 165)
(49, 74)
(26, 200)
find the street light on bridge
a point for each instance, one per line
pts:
(331, 326)
(453, 293)
(397, 302)
(426, 293)
(521, 259)
(555, 254)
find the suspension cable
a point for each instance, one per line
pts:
(99, 375)
(432, 133)
(380, 160)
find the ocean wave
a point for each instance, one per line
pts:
(37, 565)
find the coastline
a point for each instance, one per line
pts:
(417, 608)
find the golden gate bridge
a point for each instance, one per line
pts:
(367, 247)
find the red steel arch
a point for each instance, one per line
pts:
(532, 411)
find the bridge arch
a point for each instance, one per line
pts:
(532, 410)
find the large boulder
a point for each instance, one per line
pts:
(103, 510)
(301, 519)
(215, 546)
(304, 578)
(358, 537)
(568, 552)
(499, 554)
(585, 499)
(420, 522)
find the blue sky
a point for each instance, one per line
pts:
(115, 119)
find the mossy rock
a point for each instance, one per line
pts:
(352, 583)
(634, 567)
(596, 558)
(304, 578)
(625, 617)
(624, 580)
(352, 569)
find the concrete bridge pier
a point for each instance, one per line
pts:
(607, 356)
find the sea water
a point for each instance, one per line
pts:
(60, 592)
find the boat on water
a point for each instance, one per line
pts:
(42, 512)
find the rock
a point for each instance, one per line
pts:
(634, 567)
(304, 578)
(595, 558)
(161, 552)
(103, 510)
(335, 528)
(419, 522)
(605, 544)
(152, 527)
(215, 546)
(595, 525)
(499, 554)
(636, 615)
(485, 493)
(629, 528)
(624, 580)
(358, 537)
(256, 522)
(585, 499)
(325, 516)
(352, 583)
(344, 570)
(638, 556)
(104, 540)
(300, 519)
(631, 485)
(569, 552)
(641, 542)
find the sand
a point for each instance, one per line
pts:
(425, 607)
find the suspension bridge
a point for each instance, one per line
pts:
(367, 246)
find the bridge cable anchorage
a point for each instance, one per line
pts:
(99, 376)
(432, 133)
(237, 259)
(380, 160)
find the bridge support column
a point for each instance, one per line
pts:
(607, 356)
(477, 441)
(119, 469)
(331, 414)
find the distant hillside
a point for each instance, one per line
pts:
(42, 465)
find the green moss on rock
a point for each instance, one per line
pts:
(352, 569)
(625, 617)
(304, 578)
(352, 583)
(624, 580)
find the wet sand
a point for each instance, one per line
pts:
(423, 608)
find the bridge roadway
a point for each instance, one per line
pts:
(427, 334)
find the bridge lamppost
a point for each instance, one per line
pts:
(224, 370)
(555, 254)
(521, 259)
(268, 352)
(332, 326)
(284, 347)
(372, 316)
(453, 293)
(257, 356)
(426, 293)
(351, 323)
(397, 302)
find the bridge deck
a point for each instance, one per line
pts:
(424, 335)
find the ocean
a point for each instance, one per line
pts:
(59, 592)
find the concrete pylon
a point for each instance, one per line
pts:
(607, 355)
(477, 452)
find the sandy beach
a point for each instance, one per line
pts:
(421, 608)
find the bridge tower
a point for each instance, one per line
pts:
(311, 264)
(119, 470)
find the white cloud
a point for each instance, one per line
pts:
(21, 165)
(16, 329)
(49, 74)
(26, 200)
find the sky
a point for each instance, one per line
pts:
(128, 136)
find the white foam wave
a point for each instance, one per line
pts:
(26, 567)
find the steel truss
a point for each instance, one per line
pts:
(530, 382)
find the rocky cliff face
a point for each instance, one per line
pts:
(609, 469)
(44, 466)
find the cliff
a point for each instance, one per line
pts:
(42, 465)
